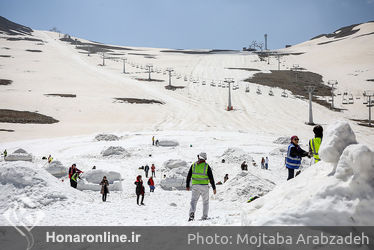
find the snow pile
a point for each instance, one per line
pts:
(316, 197)
(243, 186)
(19, 155)
(176, 173)
(56, 169)
(236, 155)
(279, 151)
(92, 178)
(168, 143)
(283, 140)
(20, 180)
(115, 152)
(106, 137)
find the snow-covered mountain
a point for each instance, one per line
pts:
(71, 94)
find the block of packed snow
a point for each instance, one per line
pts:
(337, 137)
(19, 155)
(96, 176)
(85, 185)
(236, 155)
(283, 140)
(115, 152)
(56, 169)
(168, 143)
(172, 163)
(173, 183)
(106, 137)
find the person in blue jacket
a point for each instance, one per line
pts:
(294, 155)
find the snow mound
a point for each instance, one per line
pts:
(115, 152)
(236, 155)
(168, 143)
(170, 164)
(24, 185)
(106, 137)
(19, 155)
(243, 186)
(176, 173)
(282, 140)
(56, 169)
(92, 178)
(279, 151)
(337, 137)
(317, 197)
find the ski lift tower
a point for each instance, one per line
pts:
(295, 68)
(124, 65)
(369, 95)
(229, 81)
(310, 89)
(149, 67)
(103, 55)
(332, 83)
(170, 70)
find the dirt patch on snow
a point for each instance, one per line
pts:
(34, 50)
(15, 116)
(62, 95)
(5, 82)
(138, 101)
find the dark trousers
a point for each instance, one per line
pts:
(153, 174)
(137, 198)
(146, 173)
(104, 196)
(291, 173)
(73, 183)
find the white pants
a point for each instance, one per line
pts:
(198, 190)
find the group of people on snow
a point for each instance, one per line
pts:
(146, 170)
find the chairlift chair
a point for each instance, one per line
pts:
(258, 91)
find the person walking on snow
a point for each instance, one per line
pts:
(262, 163)
(153, 140)
(153, 169)
(72, 170)
(5, 154)
(50, 159)
(151, 184)
(146, 169)
(104, 187)
(139, 190)
(266, 162)
(294, 155)
(74, 179)
(315, 143)
(201, 174)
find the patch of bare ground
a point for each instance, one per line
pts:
(6, 130)
(149, 80)
(294, 81)
(137, 101)
(15, 116)
(246, 69)
(34, 50)
(5, 82)
(62, 95)
(171, 87)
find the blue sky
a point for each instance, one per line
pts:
(213, 24)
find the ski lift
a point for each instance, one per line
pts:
(350, 99)
(212, 84)
(258, 91)
(247, 89)
(271, 92)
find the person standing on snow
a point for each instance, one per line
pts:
(226, 178)
(153, 140)
(266, 162)
(74, 179)
(104, 188)
(5, 153)
(315, 143)
(201, 174)
(151, 184)
(146, 169)
(262, 163)
(294, 155)
(72, 170)
(50, 159)
(139, 190)
(153, 169)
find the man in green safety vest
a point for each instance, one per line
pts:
(201, 174)
(315, 143)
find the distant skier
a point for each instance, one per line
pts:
(226, 178)
(201, 174)
(146, 169)
(153, 169)
(294, 155)
(266, 163)
(104, 188)
(151, 184)
(139, 190)
(315, 143)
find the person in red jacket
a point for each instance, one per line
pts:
(151, 184)
(153, 169)
(72, 170)
(139, 189)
